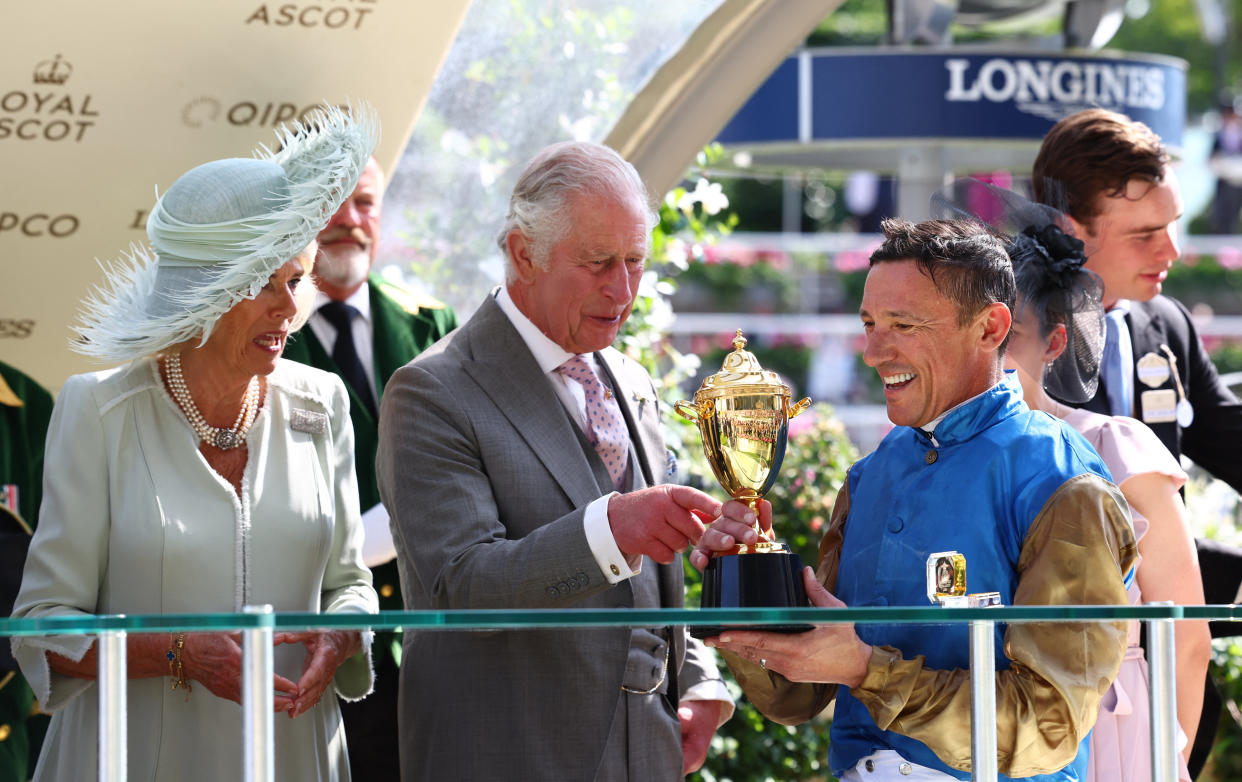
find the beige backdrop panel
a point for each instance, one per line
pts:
(102, 102)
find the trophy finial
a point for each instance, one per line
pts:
(739, 341)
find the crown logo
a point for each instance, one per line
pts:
(55, 71)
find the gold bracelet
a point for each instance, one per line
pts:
(175, 644)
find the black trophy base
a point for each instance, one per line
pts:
(760, 580)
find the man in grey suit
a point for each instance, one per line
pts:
(521, 458)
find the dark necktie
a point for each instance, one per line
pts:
(345, 354)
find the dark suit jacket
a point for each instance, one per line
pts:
(487, 479)
(1213, 439)
(400, 330)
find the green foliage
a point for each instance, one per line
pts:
(1206, 279)
(1228, 357)
(1173, 27)
(1225, 763)
(854, 23)
(816, 461)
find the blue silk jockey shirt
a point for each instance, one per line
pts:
(996, 465)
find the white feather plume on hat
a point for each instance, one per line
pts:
(221, 231)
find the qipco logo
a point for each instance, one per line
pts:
(38, 225)
(246, 113)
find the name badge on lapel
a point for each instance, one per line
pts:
(1153, 370)
(309, 421)
(1159, 407)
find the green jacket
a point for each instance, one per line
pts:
(25, 410)
(402, 326)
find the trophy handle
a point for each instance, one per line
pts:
(688, 411)
(800, 406)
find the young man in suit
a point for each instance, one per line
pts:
(364, 329)
(1113, 177)
(522, 460)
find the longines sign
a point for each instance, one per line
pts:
(856, 95)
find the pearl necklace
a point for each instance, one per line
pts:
(224, 439)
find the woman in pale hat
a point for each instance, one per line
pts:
(206, 474)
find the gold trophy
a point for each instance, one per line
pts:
(743, 413)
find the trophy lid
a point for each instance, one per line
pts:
(741, 374)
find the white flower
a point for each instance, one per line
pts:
(710, 196)
(686, 202)
(675, 253)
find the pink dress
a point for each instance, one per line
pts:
(1121, 739)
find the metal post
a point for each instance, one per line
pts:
(110, 648)
(983, 701)
(1163, 688)
(258, 722)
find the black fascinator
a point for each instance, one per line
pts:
(1051, 281)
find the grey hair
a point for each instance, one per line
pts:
(537, 206)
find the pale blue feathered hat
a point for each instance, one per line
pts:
(221, 231)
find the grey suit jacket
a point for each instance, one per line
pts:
(487, 481)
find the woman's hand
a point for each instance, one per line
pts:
(214, 660)
(325, 652)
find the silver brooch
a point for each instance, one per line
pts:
(308, 421)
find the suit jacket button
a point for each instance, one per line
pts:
(386, 590)
(616, 571)
(931, 457)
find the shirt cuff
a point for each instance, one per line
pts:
(603, 545)
(712, 690)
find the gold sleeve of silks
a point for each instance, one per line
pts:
(1076, 553)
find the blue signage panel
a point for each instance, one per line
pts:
(771, 111)
(947, 95)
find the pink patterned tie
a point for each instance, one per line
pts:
(605, 426)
